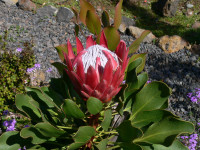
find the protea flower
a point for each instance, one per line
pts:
(96, 71)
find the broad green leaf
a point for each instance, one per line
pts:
(105, 19)
(83, 135)
(127, 133)
(60, 49)
(48, 130)
(165, 131)
(60, 67)
(146, 117)
(102, 145)
(134, 57)
(23, 104)
(135, 45)
(93, 22)
(85, 6)
(151, 97)
(58, 85)
(11, 140)
(107, 119)
(94, 105)
(130, 146)
(118, 15)
(112, 36)
(37, 137)
(72, 110)
(176, 145)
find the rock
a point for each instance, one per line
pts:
(196, 25)
(9, 2)
(166, 7)
(26, 5)
(172, 44)
(126, 22)
(189, 13)
(190, 6)
(64, 15)
(136, 32)
(132, 2)
(37, 77)
(196, 49)
(47, 11)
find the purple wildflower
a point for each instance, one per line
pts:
(194, 99)
(10, 125)
(19, 50)
(5, 112)
(26, 126)
(189, 95)
(29, 70)
(148, 81)
(49, 70)
(37, 65)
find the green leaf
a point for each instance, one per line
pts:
(93, 22)
(127, 133)
(94, 105)
(146, 117)
(130, 146)
(118, 15)
(107, 119)
(102, 145)
(37, 137)
(136, 56)
(105, 19)
(23, 104)
(48, 130)
(84, 7)
(151, 97)
(60, 49)
(12, 141)
(72, 110)
(113, 37)
(60, 67)
(83, 135)
(135, 45)
(165, 131)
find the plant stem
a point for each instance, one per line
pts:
(114, 147)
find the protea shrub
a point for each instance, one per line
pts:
(84, 109)
(96, 71)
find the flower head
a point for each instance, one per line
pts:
(19, 50)
(96, 71)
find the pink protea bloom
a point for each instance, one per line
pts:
(96, 71)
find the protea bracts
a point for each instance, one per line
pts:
(96, 71)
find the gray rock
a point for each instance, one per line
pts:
(190, 6)
(125, 23)
(64, 15)
(47, 11)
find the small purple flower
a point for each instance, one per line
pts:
(49, 70)
(26, 126)
(189, 95)
(24, 148)
(194, 99)
(148, 81)
(37, 65)
(29, 70)
(10, 125)
(184, 137)
(198, 123)
(5, 112)
(19, 50)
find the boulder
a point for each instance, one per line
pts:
(64, 15)
(136, 32)
(47, 11)
(125, 23)
(26, 5)
(172, 44)
(166, 7)
(9, 2)
(196, 49)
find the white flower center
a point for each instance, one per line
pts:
(89, 58)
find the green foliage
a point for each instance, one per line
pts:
(13, 77)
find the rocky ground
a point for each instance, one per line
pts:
(180, 70)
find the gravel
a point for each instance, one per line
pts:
(180, 70)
